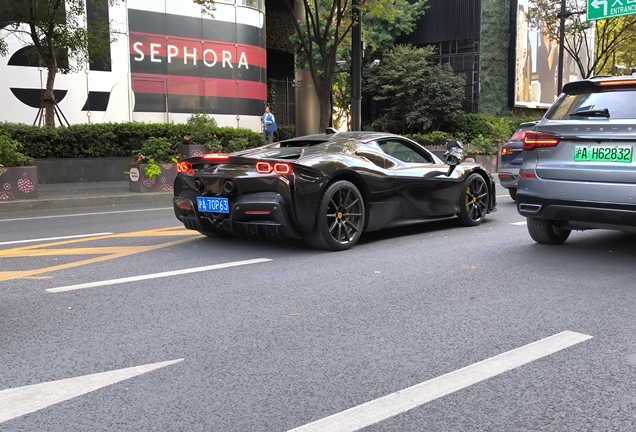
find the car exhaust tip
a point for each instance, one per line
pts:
(229, 187)
(199, 186)
(533, 208)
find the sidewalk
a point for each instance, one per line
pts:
(68, 195)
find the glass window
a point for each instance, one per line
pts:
(621, 104)
(248, 3)
(399, 150)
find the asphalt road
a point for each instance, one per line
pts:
(279, 344)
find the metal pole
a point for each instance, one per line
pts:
(561, 48)
(356, 69)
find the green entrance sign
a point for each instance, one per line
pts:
(605, 9)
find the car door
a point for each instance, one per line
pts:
(424, 188)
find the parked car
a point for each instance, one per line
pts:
(328, 189)
(578, 168)
(511, 155)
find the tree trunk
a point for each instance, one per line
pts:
(325, 107)
(49, 95)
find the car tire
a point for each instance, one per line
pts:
(215, 233)
(473, 201)
(545, 231)
(513, 194)
(340, 218)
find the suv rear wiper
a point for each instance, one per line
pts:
(592, 113)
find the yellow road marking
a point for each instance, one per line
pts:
(107, 253)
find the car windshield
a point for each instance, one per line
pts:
(620, 104)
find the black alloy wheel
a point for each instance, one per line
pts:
(473, 201)
(340, 218)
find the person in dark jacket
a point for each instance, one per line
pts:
(269, 125)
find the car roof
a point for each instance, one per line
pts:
(360, 136)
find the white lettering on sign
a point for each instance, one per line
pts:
(205, 57)
(190, 55)
(623, 10)
(154, 50)
(193, 56)
(173, 51)
(227, 57)
(138, 51)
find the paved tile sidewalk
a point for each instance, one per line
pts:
(68, 195)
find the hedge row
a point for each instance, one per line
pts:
(108, 139)
(123, 139)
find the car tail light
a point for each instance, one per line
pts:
(282, 168)
(216, 156)
(185, 168)
(528, 175)
(505, 151)
(532, 140)
(279, 168)
(517, 136)
(504, 176)
(264, 167)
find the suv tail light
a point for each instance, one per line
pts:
(185, 168)
(505, 151)
(533, 140)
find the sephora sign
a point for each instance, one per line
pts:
(170, 61)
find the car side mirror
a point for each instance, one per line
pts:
(454, 155)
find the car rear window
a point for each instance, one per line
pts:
(621, 104)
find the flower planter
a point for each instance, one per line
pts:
(163, 183)
(489, 162)
(192, 150)
(18, 183)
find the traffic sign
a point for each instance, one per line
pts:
(605, 9)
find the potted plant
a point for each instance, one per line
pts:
(201, 138)
(155, 167)
(484, 151)
(18, 176)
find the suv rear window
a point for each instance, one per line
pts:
(621, 104)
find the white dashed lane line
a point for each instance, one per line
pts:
(54, 238)
(402, 401)
(156, 275)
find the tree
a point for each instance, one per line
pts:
(61, 41)
(609, 34)
(328, 24)
(415, 94)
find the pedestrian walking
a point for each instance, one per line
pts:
(269, 125)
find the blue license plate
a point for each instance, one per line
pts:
(213, 205)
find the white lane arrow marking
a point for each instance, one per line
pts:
(25, 400)
(597, 3)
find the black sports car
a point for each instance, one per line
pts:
(327, 189)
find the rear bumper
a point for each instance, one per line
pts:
(509, 177)
(262, 214)
(582, 215)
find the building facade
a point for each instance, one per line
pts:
(169, 60)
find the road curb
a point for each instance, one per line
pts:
(93, 201)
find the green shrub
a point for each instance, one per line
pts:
(481, 145)
(201, 129)
(284, 133)
(110, 139)
(432, 139)
(11, 153)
